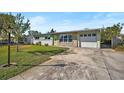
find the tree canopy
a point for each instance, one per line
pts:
(21, 25)
(52, 31)
(34, 33)
(109, 32)
(7, 24)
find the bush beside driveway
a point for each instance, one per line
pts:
(120, 48)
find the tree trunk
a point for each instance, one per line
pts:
(17, 46)
(9, 39)
(53, 40)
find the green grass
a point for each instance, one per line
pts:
(29, 56)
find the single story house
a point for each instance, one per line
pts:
(45, 39)
(89, 38)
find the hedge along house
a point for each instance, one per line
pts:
(89, 38)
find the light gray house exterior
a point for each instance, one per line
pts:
(89, 38)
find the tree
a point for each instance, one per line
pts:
(52, 31)
(7, 25)
(21, 27)
(34, 33)
(109, 32)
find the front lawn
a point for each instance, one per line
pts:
(29, 56)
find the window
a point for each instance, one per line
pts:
(93, 34)
(65, 38)
(85, 35)
(36, 37)
(48, 38)
(45, 37)
(81, 35)
(61, 38)
(89, 35)
(69, 38)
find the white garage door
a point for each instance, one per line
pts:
(88, 40)
(89, 44)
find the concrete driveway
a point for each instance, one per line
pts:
(79, 64)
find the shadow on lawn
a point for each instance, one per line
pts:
(59, 63)
(56, 65)
(31, 65)
(50, 52)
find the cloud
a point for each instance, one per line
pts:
(37, 22)
(97, 21)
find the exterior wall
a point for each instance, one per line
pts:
(30, 39)
(76, 39)
(74, 42)
(46, 41)
(43, 41)
(98, 39)
(36, 41)
(56, 42)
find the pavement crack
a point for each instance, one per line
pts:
(22, 77)
(106, 66)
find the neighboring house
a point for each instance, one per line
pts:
(39, 40)
(89, 38)
(4, 41)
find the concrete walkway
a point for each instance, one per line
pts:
(78, 64)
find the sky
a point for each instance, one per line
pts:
(67, 21)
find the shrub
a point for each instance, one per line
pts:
(38, 43)
(120, 48)
(46, 44)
